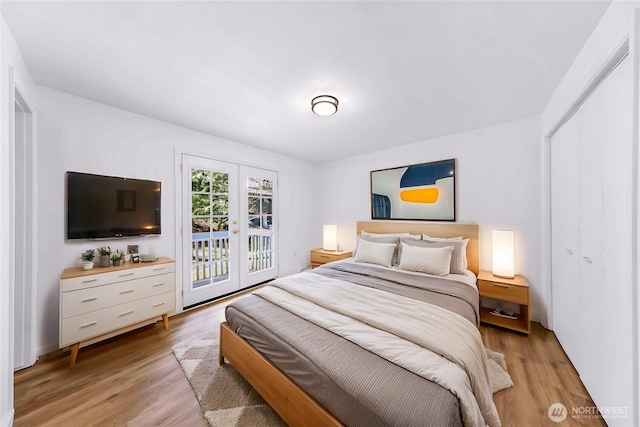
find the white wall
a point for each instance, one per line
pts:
(81, 135)
(11, 62)
(497, 186)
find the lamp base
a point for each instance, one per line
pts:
(504, 276)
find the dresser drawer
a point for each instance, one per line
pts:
(323, 258)
(95, 298)
(85, 326)
(505, 292)
(95, 278)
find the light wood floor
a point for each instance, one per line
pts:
(134, 380)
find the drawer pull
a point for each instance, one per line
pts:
(569, 251)
(501, 286)
(587, 259)
(89, 281)
(125, 313)
(125, 275)
(126, 292)
(158, 305)
(324, 256)
(158, 284)
(158, 269)
(86, 325)
(89, 299)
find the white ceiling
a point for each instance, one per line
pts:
(403, 71)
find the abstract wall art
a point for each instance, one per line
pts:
(424, 191)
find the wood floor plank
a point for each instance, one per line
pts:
(134, 379)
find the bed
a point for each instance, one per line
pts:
(344, 344)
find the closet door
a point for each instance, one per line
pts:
(617, 203)
(593, 131)
(592, 242)
(565, 149)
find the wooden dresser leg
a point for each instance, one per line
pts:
(75, 348)
(165, 319)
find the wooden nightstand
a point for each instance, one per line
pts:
(514, 290)
(320, 256)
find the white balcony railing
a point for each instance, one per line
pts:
(211, 255)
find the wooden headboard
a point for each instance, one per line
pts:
(434, 229)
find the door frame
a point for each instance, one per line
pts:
(178, 200)
(19, 96)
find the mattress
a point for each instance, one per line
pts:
(357, 386)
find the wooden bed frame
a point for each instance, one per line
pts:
(292, 403)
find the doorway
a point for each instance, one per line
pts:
(229, 228)
(23, 225)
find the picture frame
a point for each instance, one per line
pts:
(132, 249)
(135, 258)
(423, 191)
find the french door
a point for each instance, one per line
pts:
(229, 231)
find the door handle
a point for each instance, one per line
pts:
(235, 231)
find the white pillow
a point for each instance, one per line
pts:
(434, 261)
(375, 253)
(380, 239)
(459, 258)
(407, 235)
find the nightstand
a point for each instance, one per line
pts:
(320, 256)
(514, 290)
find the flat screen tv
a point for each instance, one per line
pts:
(102, 207)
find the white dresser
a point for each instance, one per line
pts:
(104, 302)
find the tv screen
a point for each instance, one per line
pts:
(100, 207)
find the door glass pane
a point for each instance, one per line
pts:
(267, 187)
(210, 227)
(200, 224)
(253, 186)
(266, 205)
(254, 205)
(260, 245)
(200, 180)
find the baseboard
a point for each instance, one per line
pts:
(7, 420)
(45, 351)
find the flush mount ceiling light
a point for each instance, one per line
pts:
(324, 105)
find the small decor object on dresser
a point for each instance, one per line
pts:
(87, 259)
(105, 256)
(117, 257)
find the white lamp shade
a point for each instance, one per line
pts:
(503, 254)
(330, 237)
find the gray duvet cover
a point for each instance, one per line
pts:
(356, 386)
